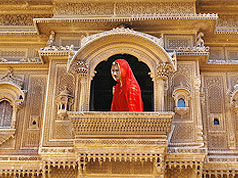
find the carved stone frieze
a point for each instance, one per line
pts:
(193, 50)
(124, 8)
(227, 24)
(198, 49)
(21, 19)
(98, 8)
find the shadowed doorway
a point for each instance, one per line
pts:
(102, 83)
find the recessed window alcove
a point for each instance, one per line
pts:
(102, 83)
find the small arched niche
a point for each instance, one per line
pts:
(102, 83)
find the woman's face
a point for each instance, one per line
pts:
(115, 71)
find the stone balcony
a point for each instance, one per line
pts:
(121, 124)
(121, 136)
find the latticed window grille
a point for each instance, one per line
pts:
(5, 114)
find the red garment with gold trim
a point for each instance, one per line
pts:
(127, 97)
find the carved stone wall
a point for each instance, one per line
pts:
(123, 168)
(64, 80)
(223, 54)
(180, 173)
(34, 112)
(124, 8)
(173, 42)
(29, 116)
(214, 108)
(63, 173)
(227, 21)
(23, 54)
(183, 125)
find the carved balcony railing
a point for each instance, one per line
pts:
(121, 123)
(121, 136)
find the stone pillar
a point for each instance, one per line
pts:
(197, 105)
(162, 73)
(231, 112)
(15, 108)
(80, 68)
(160, 93)
(83, 93)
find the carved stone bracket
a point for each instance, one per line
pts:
(164, 70)
(80, 68)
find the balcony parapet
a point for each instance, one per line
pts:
(121, 123)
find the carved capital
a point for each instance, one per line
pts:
(80, 68)
(163, 70)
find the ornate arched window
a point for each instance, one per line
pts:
(181, 103)
(11, 99)
(5, 114)
(181, 97)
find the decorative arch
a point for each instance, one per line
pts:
(181, 93)
(11, 91)
(99, 47)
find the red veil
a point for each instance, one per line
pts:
(127, 97)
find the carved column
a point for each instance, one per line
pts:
(14, 116)
(162, 74)
(197, 106)
(81, 69)
(231, 108)
(83, 93)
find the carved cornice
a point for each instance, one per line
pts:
(139, 17)
(27, 60)
(56, 150)
(226, 30)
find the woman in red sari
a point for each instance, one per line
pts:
(127, 93)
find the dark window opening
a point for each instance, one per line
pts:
(181, 102)
(216, 122)
(102, 83)
(5, 114)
